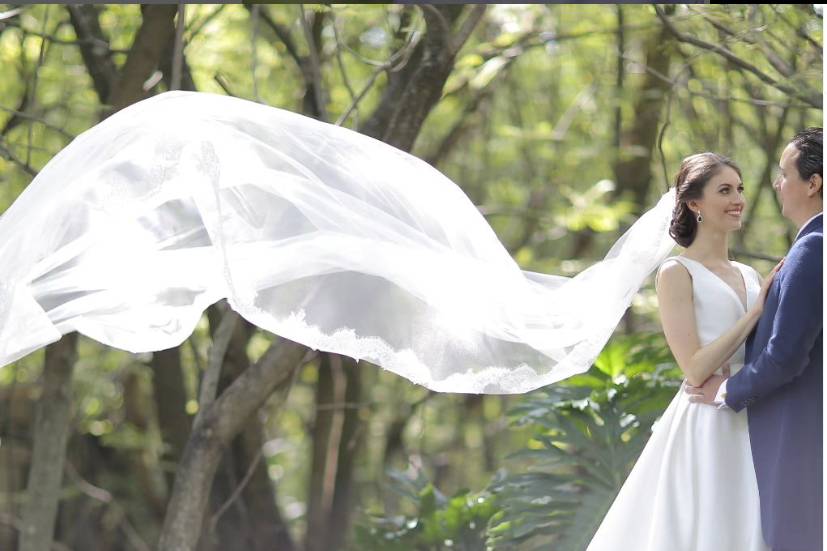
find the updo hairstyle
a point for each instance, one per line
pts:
(695, 172)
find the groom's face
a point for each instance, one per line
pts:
(791, 187)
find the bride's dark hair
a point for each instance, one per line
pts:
(696, 170)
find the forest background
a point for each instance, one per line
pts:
(562, 123)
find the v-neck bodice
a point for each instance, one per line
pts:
(741, 272)
(717, 306)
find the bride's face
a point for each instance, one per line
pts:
(722, 203)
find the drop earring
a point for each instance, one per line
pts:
(700, 218)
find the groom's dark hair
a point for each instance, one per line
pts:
(810, 160)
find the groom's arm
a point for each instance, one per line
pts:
(796, 326)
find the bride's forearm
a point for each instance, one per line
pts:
(707, 359)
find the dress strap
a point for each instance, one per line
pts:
(680, 260)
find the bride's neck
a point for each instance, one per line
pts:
(709, 247)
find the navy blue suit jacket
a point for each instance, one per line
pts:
(781, 387)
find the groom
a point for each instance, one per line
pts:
(781, 381)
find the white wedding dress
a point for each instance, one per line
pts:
(693, 488)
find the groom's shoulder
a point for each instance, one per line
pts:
(807, 252)
(812, 242)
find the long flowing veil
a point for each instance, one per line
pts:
(311, 231)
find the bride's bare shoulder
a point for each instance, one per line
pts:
(673, 277)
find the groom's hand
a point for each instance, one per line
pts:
(705, 394)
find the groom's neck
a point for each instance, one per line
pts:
(807, 214)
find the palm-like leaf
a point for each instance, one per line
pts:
(589, 432)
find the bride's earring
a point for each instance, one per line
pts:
(700, 218)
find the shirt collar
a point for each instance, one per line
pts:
(807, 223)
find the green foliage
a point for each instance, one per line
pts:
(588, 434)
(592, 210)
(438, 524)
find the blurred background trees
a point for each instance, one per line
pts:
(561, 122)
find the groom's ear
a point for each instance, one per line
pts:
(816, 185)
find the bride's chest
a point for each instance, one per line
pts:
(734, 280)
(723, 294)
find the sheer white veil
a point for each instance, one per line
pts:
(311, 231)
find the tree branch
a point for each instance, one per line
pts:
(313, 69)
(17, 114)
(818, 48)
(221, 422)
(10, 14)
(340, 64)
(178, 49)
(413, 90)
(758, 256)
(255, 15)
(209, 382)
(468, 25)
(32, 89)
(221, 80)
(194, 28)
(236, 493)
(94, 48)
(156, 30)
(7, 154)
(708, 94)
(283, 33)
(809, 97)
(51, 432)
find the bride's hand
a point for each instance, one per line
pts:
(765, 287)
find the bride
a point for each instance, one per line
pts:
(694, 485)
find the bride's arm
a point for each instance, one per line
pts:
(677, 314)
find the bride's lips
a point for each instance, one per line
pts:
(735, 212)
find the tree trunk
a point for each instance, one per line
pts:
(336, 437)
(413, 91)
(170, 406)
(633, 170)
(51, 431)
(94, 48)
(141, 465)
(167, 61)
(350, 445)
(18, 403)
(253, 517)
(633, 167)
(155, 33)
(221, 422)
